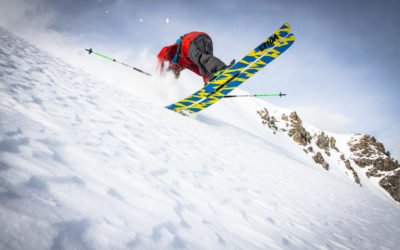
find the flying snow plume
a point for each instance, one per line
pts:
(167, 20)
(141, 20)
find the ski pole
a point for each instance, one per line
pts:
(111, 59)
(254, 95)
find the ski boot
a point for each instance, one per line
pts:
(221, 70)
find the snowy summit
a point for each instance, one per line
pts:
(85, 164)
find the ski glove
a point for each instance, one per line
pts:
(176, 72)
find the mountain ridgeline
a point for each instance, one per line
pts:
(360, 154)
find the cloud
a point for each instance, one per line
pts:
(325, 119)
(24, 15)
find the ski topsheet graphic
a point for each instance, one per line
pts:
(255, 60)
(242, 77)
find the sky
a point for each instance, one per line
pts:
(341, 74)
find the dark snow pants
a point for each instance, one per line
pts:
(201, 54)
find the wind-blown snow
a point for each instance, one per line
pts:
(88, 165)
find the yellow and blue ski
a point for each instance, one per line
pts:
(249, 71)
(234, 70)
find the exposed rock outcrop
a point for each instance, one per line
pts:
(333, 144)
(323, 141)
(366, 151)
(371, 154)
(266, 119)
(391, 184)
(349, 167)
(297, 131)
(318, 158)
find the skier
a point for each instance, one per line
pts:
(193, 51)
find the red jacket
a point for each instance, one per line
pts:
(167, 54)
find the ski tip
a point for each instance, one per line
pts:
(287, 25)
(291, 37)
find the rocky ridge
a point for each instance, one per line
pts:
(361, 154)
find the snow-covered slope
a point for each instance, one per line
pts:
(88, 165)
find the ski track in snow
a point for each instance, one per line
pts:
(86, 165)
